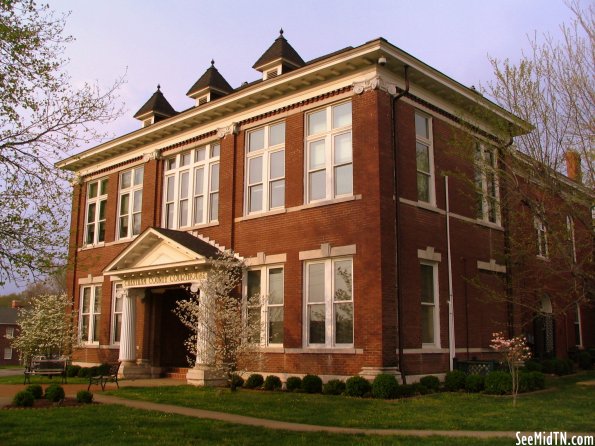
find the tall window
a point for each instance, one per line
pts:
(117, 301)
(541, 233)
(90, 318)
(329, 153)
(570, 238)
(7, 352)
(265, 161)
(191, 194)
(130, 202)
(429, 304)
(487, 184)
(329, 302)
(95, 219)
(9, 332)
(264, 293)
(424, 155)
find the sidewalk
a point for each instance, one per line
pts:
(7, 391)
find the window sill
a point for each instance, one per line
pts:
(260, 214)
(544, 258)
(325, 203)
(334, 350)
(93, 246)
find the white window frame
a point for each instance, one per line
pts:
(9, 332)
(7, 353)
(328, 137)
(263, 301)
(435, 305)
(209, 193)
(267, 180)
(487, 179)
(117, 290)
(95, 222)
(541, 237)
(571, 238)
(93, 315)
(429, 143)
(329, 303)
(135, 201)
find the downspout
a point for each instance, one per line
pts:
(508, 263)
(76, 243)
(451, 315)
(397, 223)
(234, 134)
(466, 295)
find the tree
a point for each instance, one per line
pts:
(47, 327)
(215, 317)
(42, 116)
(514, 353)
(546, 217)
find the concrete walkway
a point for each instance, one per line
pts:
(7, 392)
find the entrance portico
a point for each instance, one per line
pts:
(160, 264)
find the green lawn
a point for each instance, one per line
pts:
(18, 379)
(112, 425)
(565, 407)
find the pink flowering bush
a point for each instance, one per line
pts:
(514, 353)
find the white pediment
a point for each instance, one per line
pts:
(157, 250)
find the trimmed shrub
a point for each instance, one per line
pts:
(334, 387)
(454, 381)
(420, 389)
(84, 372)
(431, 382)
(254, 381)
(563, 367)
(548, 366)
(406, 390)
(293, 383)
(312, 384)
(530, 381)
(54, 393)
(35, 390)
(498, 383)
(272, 382)
(533, 366)
(585, 361)
(84, 396)
(236, 381)
(72, 370)
(23, 399)
(103, 369)
(474, 383)
(384, 387)
(357, 386)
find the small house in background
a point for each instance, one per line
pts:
(8, 330)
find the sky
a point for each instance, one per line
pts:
(172, 42)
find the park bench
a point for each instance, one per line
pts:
(40, 366)
(110, 376)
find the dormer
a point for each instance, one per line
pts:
(280, 58)
(155, 109)
(211, 85)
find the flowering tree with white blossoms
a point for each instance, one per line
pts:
(514, 352)
(215, 317)
(47, 327)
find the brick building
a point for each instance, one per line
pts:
(298, 174)
(8, 330)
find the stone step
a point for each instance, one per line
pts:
(175, 373)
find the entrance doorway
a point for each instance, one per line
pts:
(544, 330)
(169, 334)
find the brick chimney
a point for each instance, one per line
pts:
(573, 166)
(16, 304)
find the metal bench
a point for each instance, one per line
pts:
(110, 376)
(46, 367)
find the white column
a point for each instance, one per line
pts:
(127, 338)
(204, 353)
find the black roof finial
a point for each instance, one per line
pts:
(212, 62)
(281, 32)
(158, 87)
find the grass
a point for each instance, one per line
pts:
(565, 407)
(109, 424)
(41, 379)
